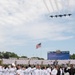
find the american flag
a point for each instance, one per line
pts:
(38, 45)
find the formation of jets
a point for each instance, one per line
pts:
(60, 15)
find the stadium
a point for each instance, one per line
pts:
(63, 57)
(60, 59)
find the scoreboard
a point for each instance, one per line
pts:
(58, 55)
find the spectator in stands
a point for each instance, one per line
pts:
(55, 62)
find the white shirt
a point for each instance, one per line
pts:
(61, 71)
(54, 71)
(0, 70)
(37, 72)
(33, 71)
(48, 71)
(44, 72)
(12, 71)
(29, 70)
(19, 72)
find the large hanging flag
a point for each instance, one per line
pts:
(38, 45)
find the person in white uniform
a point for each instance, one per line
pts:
(54, 71)
(38, 70)
(33, 70)
(12, 70)
(44, 70)
(29, 70)
(48, 70)
(0, 70)
(19, 70)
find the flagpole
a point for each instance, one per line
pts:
(37, 47)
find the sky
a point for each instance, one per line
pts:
(25, 23)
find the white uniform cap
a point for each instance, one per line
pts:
(13, 64)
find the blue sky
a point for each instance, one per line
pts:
(25, 23)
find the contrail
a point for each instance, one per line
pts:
(56, 3)
(46, 5)
(51, 4)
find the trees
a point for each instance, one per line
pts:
(72, 56)
(8, 55)
(37, 58)
(23, 56)
(1, 55)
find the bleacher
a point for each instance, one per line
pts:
(44, 62)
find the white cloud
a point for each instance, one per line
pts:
(23, 23)
(26, 18)
(72, 3)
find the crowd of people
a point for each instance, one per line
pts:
(37, 69)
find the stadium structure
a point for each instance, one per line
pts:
(63, 57)
(58, 55)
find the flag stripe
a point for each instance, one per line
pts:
(38, 45)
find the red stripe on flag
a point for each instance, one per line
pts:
(38, 45)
